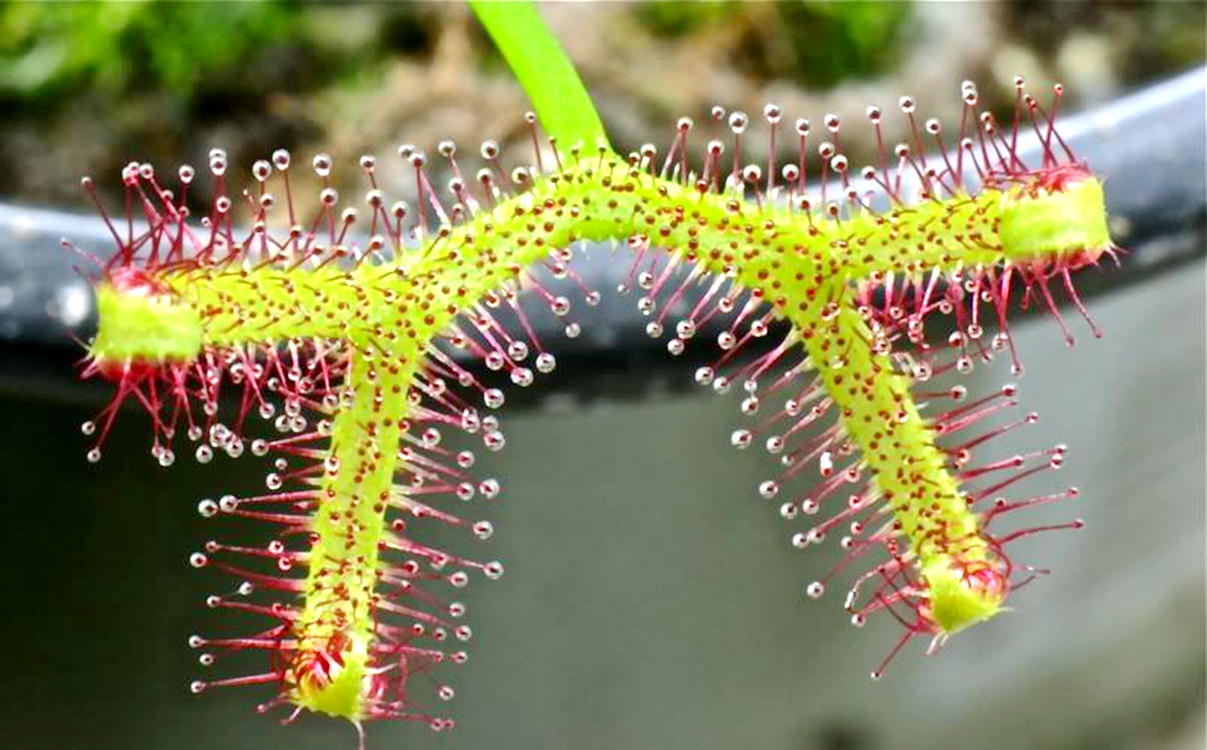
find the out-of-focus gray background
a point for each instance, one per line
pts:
(651, 600)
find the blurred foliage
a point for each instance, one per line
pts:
(1179, 27)
(833, 41)
(1146, 39)
(100, 83)
(818, 42)
(49, 50)
(862, 38)
(674, 18)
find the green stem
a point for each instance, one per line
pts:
(541, 66)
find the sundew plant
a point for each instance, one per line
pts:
(363, 335)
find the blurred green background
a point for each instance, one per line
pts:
(651, 601)
(88, 87)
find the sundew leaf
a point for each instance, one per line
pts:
(363, 355)
(541, 66)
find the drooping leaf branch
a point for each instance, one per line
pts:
(363, 331)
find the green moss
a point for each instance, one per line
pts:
(674, 18)
(861, 38)
(836, 41)
(51, 49)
